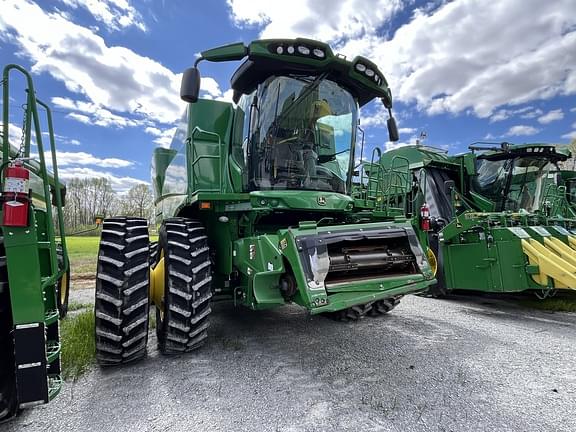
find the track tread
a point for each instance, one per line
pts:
(122, 285)
(373, 309)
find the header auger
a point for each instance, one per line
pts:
(256, 204)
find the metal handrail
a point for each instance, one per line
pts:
(32, 116)
(195, 159)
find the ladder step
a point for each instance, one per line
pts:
(43, 245)
(54, 386)
(51, 316)
(52, 351)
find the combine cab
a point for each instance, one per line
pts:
(500, 219)
(256, 205)
(34, 270)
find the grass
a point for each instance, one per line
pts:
(78, 346)
(74, 306)
(83, 253)
(566, 303)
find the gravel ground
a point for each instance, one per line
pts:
(469, 364)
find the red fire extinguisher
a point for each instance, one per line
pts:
(425, 217)
(15, 196)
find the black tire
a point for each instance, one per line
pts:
(438, 290)
(7, 373)
(122, 287)
(153, 257)
(182, 320)
(63, 287)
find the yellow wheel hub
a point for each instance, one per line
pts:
(157, 280)
(432, 261)
(63, 288)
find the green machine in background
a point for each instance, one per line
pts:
(500, 220)
(256, 205)
(34, 269)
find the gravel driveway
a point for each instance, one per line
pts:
(468, 364)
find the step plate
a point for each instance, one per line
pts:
(30, 359)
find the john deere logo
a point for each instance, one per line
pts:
(321, 200)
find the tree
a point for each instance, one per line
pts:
(86, 198)
(138, 201)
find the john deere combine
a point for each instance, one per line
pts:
(34, 270)
(496, 221)
(255, 205)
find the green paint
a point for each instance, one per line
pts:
(31, 252)
(276, 173)
(490, 198)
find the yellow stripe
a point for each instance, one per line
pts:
(551, 265)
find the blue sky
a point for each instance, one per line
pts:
(460, 71)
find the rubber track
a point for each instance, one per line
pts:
(122, 285)
(372, 309)
(7, 379)
(188, 286)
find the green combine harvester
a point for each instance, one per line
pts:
(34, 269)
(499, 218)
(255, 205)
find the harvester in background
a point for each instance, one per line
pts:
(499, 218)
(255, 205)
(34, 268)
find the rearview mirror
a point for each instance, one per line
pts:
(449, 185)
(190, 87)
(392, 130)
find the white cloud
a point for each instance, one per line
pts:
(407, 130)
(570, 135)
(153, 131)
(165, 137)
(111, 77)
(390, 145)
(119, 183)
(551, 116)
(371, 116)
(573, 109)
(327, 20)
(500, 115)
(522, 130)
(94, 114)
(517, 52)
(532, 114)
(14, 135)
(114, 14)
(83, 158)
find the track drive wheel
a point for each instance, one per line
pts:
(381, 307)
(373, 309)
(182, 317)
(7, 376)
(122, 286)
(63, 287)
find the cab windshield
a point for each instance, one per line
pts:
(515, 183)
(302, 129)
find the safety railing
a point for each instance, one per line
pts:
(387, 188)
(196, 171)
(32, 119)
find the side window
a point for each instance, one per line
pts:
(241, 128)
(239, 125)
